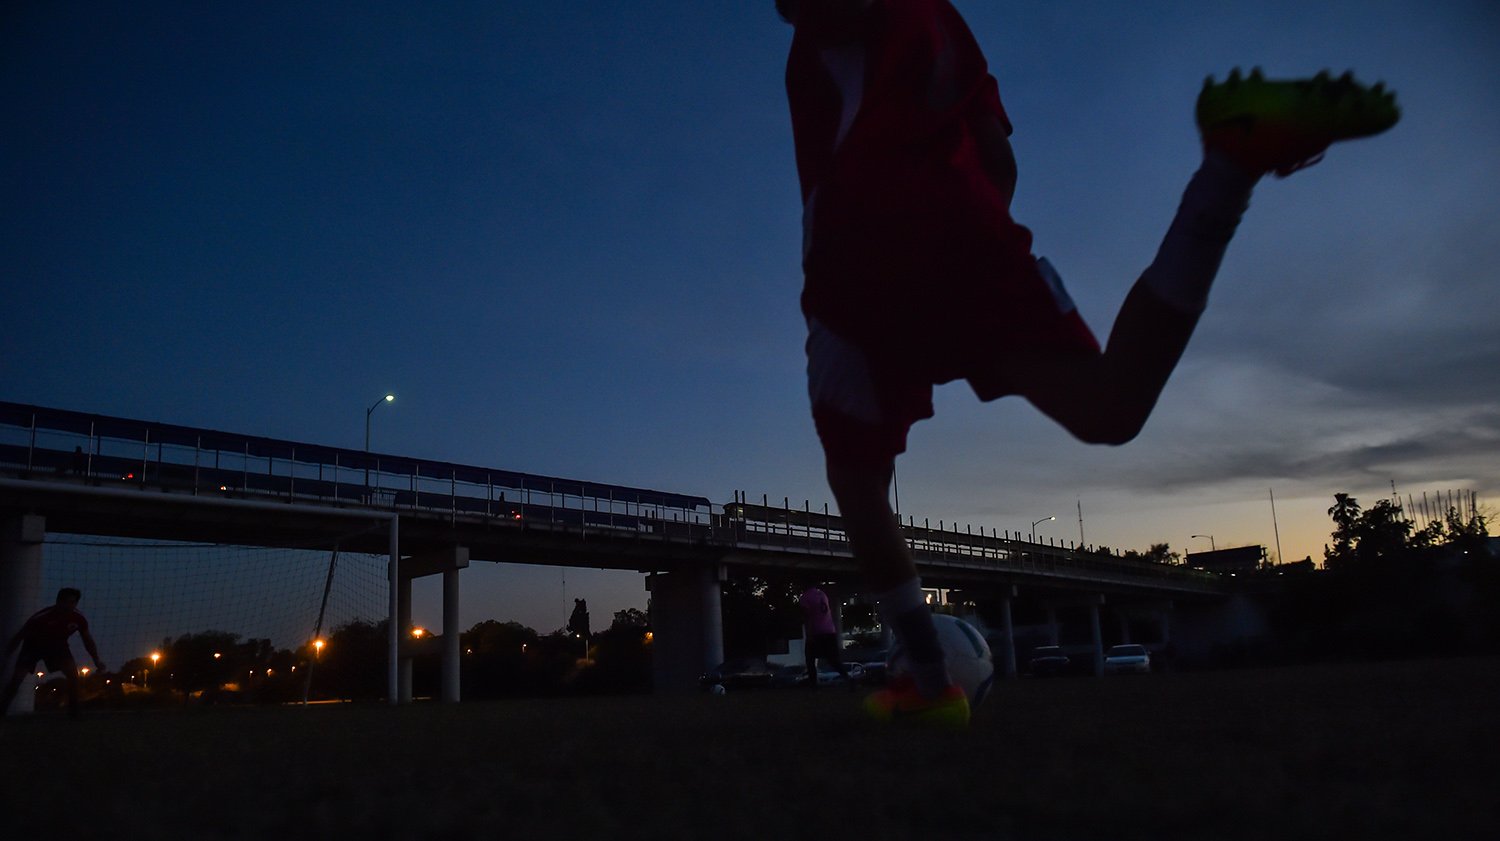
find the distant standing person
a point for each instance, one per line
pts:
(45, 637)
(578, 622)
(820, 637)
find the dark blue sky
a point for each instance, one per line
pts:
(566, 236)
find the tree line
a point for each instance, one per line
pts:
(497, 660)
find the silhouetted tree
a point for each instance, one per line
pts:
(757, 610)
(1379, 535)
(495, 658)
(353, 663)
(630, 617)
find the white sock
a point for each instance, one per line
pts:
(904, 610)
(1193, 248)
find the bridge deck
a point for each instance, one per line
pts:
(104, 475)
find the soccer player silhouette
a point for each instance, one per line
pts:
(915, 274)
(44, 637)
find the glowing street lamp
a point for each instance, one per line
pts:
(376, 405)
(318, 648)
(386, 399)
(418, 632)
(155, 658)
(1033, 526)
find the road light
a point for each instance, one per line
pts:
(318, 648)
(1033, 526)
(1211, 546)
(370, 411)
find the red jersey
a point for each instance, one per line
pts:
(51, 626)
(910, 49)
(909, 246)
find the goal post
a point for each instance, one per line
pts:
(197, 622)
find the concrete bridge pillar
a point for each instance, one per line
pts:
(447, 562)
(686, 626)
(403, 630)
(1007, 654)
(21, 537)
(1095, 636)
(451, 634)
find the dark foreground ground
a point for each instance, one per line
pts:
(1396, 750)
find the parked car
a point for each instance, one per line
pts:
(857, 674)
(1127, 659)
(739, 673)
(1047, 661)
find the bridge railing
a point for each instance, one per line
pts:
(100, 450)
(36, 442)
(804, 529)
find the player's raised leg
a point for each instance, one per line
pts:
(1250, 127)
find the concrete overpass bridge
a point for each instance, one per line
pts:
(79, 473)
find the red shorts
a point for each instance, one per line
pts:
(864, 402)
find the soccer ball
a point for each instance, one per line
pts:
(967, 654)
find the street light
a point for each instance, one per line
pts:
(386, 399)
(1211, 546)
(1033, 526)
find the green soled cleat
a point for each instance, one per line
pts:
(1283, 126)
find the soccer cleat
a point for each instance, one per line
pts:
(1284, 126)
(900, 703)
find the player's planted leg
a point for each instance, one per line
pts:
(926, 695)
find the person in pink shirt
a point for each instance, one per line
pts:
(820, 636)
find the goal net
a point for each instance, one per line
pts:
(209, 623)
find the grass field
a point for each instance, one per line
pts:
(1395, 750)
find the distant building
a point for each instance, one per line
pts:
(1241, 559)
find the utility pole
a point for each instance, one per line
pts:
(1274, 527)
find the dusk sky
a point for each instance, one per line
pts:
(566, 236)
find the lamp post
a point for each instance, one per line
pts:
(386, 399)
(1211, 546)
(376, 405)
(1033, 526)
